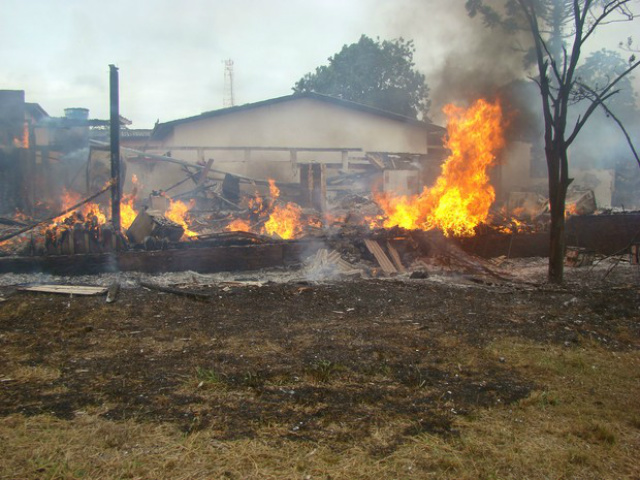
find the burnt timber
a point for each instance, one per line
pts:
(604, 234)
(201, 260)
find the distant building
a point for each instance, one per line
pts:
(272, 138)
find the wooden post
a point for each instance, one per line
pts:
(115, 147)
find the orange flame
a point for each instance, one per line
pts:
(274, 191)
(239, 225)
(70, 198)
(284, 221)
(462, 194)
(177, 212)
(127, 212)
(25, 135)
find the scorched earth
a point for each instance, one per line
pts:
(341, 379)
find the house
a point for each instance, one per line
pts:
(275, 137)
(18, 120)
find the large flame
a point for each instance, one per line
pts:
(462, 194)
(284, 221)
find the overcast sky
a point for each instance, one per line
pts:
(171, 52)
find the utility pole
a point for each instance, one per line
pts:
(114, 124)
(228, 100)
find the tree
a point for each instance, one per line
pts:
(598, 70)
(374, 73)
(560, 31)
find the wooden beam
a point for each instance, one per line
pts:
(205, 173)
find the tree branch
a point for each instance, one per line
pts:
(606, 11)
(604, 95)
(600, 101)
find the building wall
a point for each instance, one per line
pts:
(297, 123)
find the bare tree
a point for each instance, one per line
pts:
(560, 31)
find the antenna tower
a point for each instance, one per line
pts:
(228, 100)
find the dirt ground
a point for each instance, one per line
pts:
(327, 364)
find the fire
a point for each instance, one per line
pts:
(273, 189)
(571, 209)
(177, 212)
(513, 226)
(127, 212)
(239, 225)
(70, 198)
(25, 135)
(284, 221)
(462, 194)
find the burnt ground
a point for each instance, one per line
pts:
(328, 362)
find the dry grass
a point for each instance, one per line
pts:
(582, 422)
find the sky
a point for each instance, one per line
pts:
(171, 53)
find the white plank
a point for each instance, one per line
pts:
(67, 289)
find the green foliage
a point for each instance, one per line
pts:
(374, 73)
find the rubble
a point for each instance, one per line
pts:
(152, 223)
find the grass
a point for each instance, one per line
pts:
(324, 371)
(582, 421)
(209, 376)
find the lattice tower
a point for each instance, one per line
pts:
(228, 100)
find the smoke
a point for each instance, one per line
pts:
(461, 58)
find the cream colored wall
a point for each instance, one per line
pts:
(298, 123)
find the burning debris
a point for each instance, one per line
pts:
(462, 195)
(344, 223)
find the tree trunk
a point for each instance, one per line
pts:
(557, 245)
(558, 186)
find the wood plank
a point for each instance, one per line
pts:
(381, 257)
(395, 256)
(66, 289)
